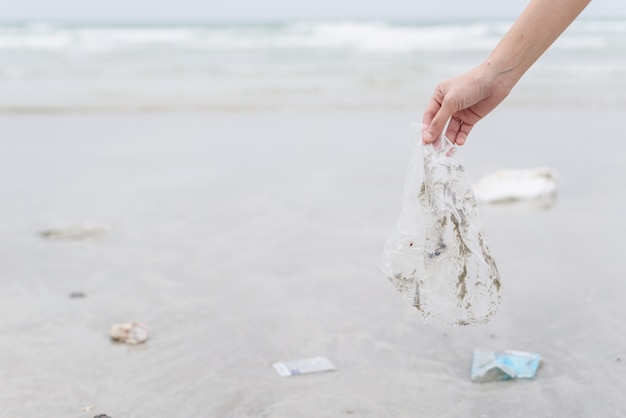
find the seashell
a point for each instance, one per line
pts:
(129, 333)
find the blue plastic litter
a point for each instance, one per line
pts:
(503, 365)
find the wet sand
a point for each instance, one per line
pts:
(247, 238)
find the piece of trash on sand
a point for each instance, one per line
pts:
(129, 333)
(437, 253)
(87, 230)
(489, 366)
(508, 186)
(304, 366)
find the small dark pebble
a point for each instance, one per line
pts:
(77, 295)
(102, 416)
(445, 335)
(618, 359)
(493, 335)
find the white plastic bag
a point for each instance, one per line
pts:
(437, 253)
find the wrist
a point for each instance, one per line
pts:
(499, 73)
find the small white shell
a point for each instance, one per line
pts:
(129, 333)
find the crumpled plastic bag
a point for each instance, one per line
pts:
(437, 253)
(489, 366)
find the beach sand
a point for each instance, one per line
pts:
(246, 238)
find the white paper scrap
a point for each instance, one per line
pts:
(304, 366)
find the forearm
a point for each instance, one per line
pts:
(535, 30)
(462, 101)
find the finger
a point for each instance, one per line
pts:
(431, 110)
(463, 133)
(453, 129)
(440, 119)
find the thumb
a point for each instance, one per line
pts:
(435, 128)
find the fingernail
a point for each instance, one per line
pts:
(427, 136)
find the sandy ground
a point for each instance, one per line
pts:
(243, 239)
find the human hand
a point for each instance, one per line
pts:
(464, 100)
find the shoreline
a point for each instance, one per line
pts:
(247, 238)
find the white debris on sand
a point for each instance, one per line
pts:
(129, 333)
(513, 185)
(83, 231)
(304, 366)
(437, 253)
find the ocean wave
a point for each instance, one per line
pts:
(359, 36)
(63, 67)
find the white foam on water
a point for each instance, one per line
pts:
(356, 35)
(58, 66)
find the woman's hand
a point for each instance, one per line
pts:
(464, 100)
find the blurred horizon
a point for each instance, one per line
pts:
(236, 11)
(127, 66)
(278, 21)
